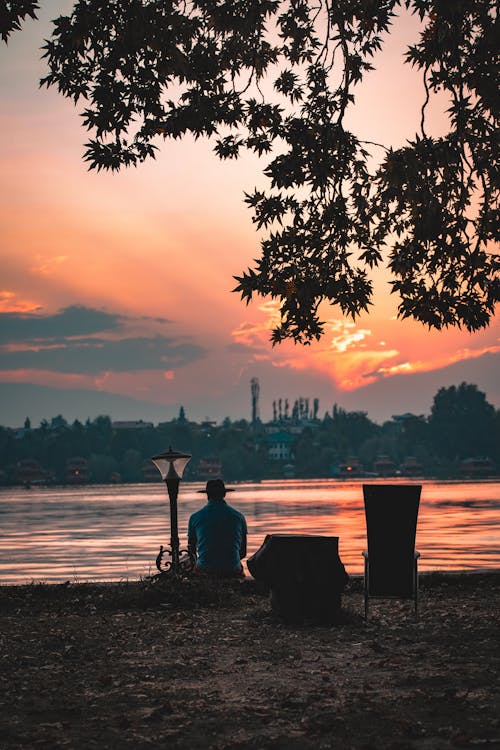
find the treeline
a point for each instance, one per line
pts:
(462, 425)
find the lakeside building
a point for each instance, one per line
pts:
(149, 472)
(209, 467)
(29, 471)
(77, 470)
(136, 424)
(477, 468)
(280, 446)
(411, 467)
(384, 466)
(352, 468)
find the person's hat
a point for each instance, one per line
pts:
(216, 487)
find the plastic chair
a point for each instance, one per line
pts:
(391, 561)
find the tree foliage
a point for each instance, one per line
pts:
(13, 13)
(277, 78)
(462, 422)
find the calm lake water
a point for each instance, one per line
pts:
(114, 532)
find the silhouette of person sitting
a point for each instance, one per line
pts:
(217, 534)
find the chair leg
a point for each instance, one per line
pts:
(366, 588)
(415, 587)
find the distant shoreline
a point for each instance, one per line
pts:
(278, 480)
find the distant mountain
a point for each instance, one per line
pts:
(392, 395)
(21, 400)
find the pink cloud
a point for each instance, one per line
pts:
(9, 303)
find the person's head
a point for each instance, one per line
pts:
(216, 489)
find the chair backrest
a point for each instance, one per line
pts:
(391, 512)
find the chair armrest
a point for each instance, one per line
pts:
(365, 554)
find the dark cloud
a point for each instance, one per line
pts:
(95, 355)
(156, 319)
(239, 348)
(73, 341)
(71, 321)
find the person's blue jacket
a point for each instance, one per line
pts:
(218, 534)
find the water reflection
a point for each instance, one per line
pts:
(114, 532)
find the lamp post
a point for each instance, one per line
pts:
(171, 465)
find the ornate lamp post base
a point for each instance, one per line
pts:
(181, 561)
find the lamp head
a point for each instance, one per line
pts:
(171, 464)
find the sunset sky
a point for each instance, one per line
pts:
(115, 289)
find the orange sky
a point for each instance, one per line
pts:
(163, 242)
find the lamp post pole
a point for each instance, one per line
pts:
(171, 465)
(172, 481)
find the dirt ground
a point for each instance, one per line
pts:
(199, 665)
